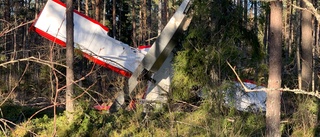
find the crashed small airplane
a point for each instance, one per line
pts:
(92, 39)
(151, 63)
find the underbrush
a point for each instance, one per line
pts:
(207, 119)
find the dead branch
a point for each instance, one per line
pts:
(15, 86)
(5, 121)
(310, 8)
(16, 27)
(286, 89)
(183, 102)
(192, 125)
(238, 78)
(33, 59)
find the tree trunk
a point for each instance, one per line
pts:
(134, 27)
(104, 12)
(255, 18)
(274, 82)
(79, 5)
(164, 13)
(114, 23)
(143, 21)
(97, 10)
(36, 8)
(245, 13)
(266, 31)
(14, 53)
(316, 50)
(149, 20)
(290, 29)
(160, 17)
(239, 3)
(87, 8)
(121, 18)
(69, 61)
(297, 39)
(306, 47)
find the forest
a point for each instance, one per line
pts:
(46, 91)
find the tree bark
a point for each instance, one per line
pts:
(306, 47)
(255, 18)
(104, 12)
(274, 82)
(164, 13)
(266, 31)
(36, 8)
(87, 8)
(97, 10)
(114, 23)
(297, 39)
(291, 20)
(69, 60)
(160, 17)
(245, 13)
(143, 24)
(134, 27)
(149, 20)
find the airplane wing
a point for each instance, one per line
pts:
(91, 38)
(162, 47)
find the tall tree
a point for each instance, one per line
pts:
(97, 10)
(86, 7)
(160, 17)
(255, 19)
(245, 12)
(149, 20)
(274, 82)
(306, 47)
(134, 25)
(144, 22)
(104, 12)
(69, 60)
(164, 12)
(297, 39)
(114, 23)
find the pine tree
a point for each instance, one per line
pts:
(69, 61)
(274, 82)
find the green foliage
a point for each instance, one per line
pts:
(210, 119)
(306, 116)
(215, 36)
(11, 112)
(2, 57)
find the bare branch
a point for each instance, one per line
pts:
(22, 24)
(33, 59)
(286, 89)
(4, 121)
(310, 8)
(238, 78)
(16, 85)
